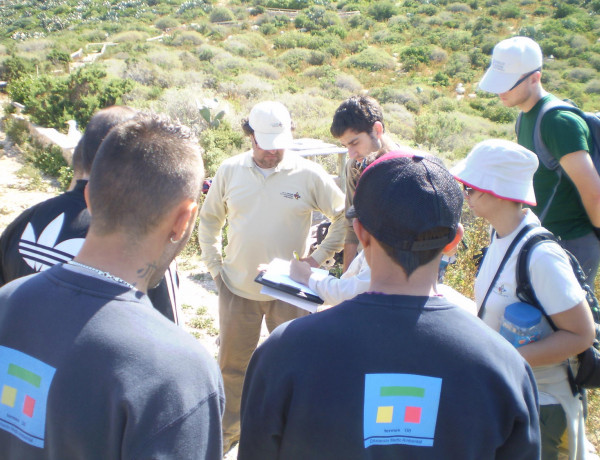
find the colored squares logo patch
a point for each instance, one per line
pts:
(9, 395)
(385, 414)
(25, 383)
(412, 414)
(400, 409)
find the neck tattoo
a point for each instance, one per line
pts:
(110, 276)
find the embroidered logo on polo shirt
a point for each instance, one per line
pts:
(400, 409)
(24, 386)
(291, 196)
(501, 290)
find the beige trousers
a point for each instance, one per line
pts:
(240, 321)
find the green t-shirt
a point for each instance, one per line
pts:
(563, 132)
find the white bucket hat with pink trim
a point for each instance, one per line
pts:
(499, 167)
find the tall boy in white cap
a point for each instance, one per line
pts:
(266, 195)
(398, 372)
(568, 200)
(497, 180)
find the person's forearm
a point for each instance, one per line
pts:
(580, 169)
(350, 250)
(334, 240)
(555, 348)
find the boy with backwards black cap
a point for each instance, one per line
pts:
(397, 372)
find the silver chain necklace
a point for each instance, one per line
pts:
(110, 276)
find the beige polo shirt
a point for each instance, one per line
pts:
(268, 217)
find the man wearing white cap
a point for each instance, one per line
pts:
(497, 180)
(568, 197)
(267, 196)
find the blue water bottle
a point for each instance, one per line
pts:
(522, 324)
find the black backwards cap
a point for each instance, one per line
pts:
(402, 195)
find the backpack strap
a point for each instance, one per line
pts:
(541, 150)
(507, 254)
(525, 290)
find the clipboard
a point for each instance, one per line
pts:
(289, 289)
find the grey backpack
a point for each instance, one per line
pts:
(544, 155)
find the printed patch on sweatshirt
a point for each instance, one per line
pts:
(400, 409)
(24, 386)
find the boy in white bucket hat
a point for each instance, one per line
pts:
(497, 178)
(567, 185)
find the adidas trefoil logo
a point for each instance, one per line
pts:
(43, 252)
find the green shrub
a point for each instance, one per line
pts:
(265, 70)
(218, 145)
(562, 10)
(382, 10)
(16, 130)
(316, 18)
(318, 58)
(434, 130)
(206, 52)
(185, 37)
(268, 28)
(166, 23)
(497, 113)
(413, 56)
(356, 46)
(221, 14)
(581, 74)
(444, 104)
(398, 24)
(438, 55)
(232, 65)
(348, 83)
(50, 101)
(49, 160)
(15, 67)
(459, 67)
(392, 95)
(593, 87)
(372, 59)
(296, 59)
(440, 78)
(388, 36)
(428, 10)
(132, 36)
(57, 57)
(509, 12)
(459, 8)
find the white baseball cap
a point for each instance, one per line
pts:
(272, 125)
(511, 59)
(499, 167)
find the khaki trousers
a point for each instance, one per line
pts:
(240, 321)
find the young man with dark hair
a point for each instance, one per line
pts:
(91, 370)
(53, 231)
(396, 372)
(568, 199)
(267, 196)
(358, 124)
